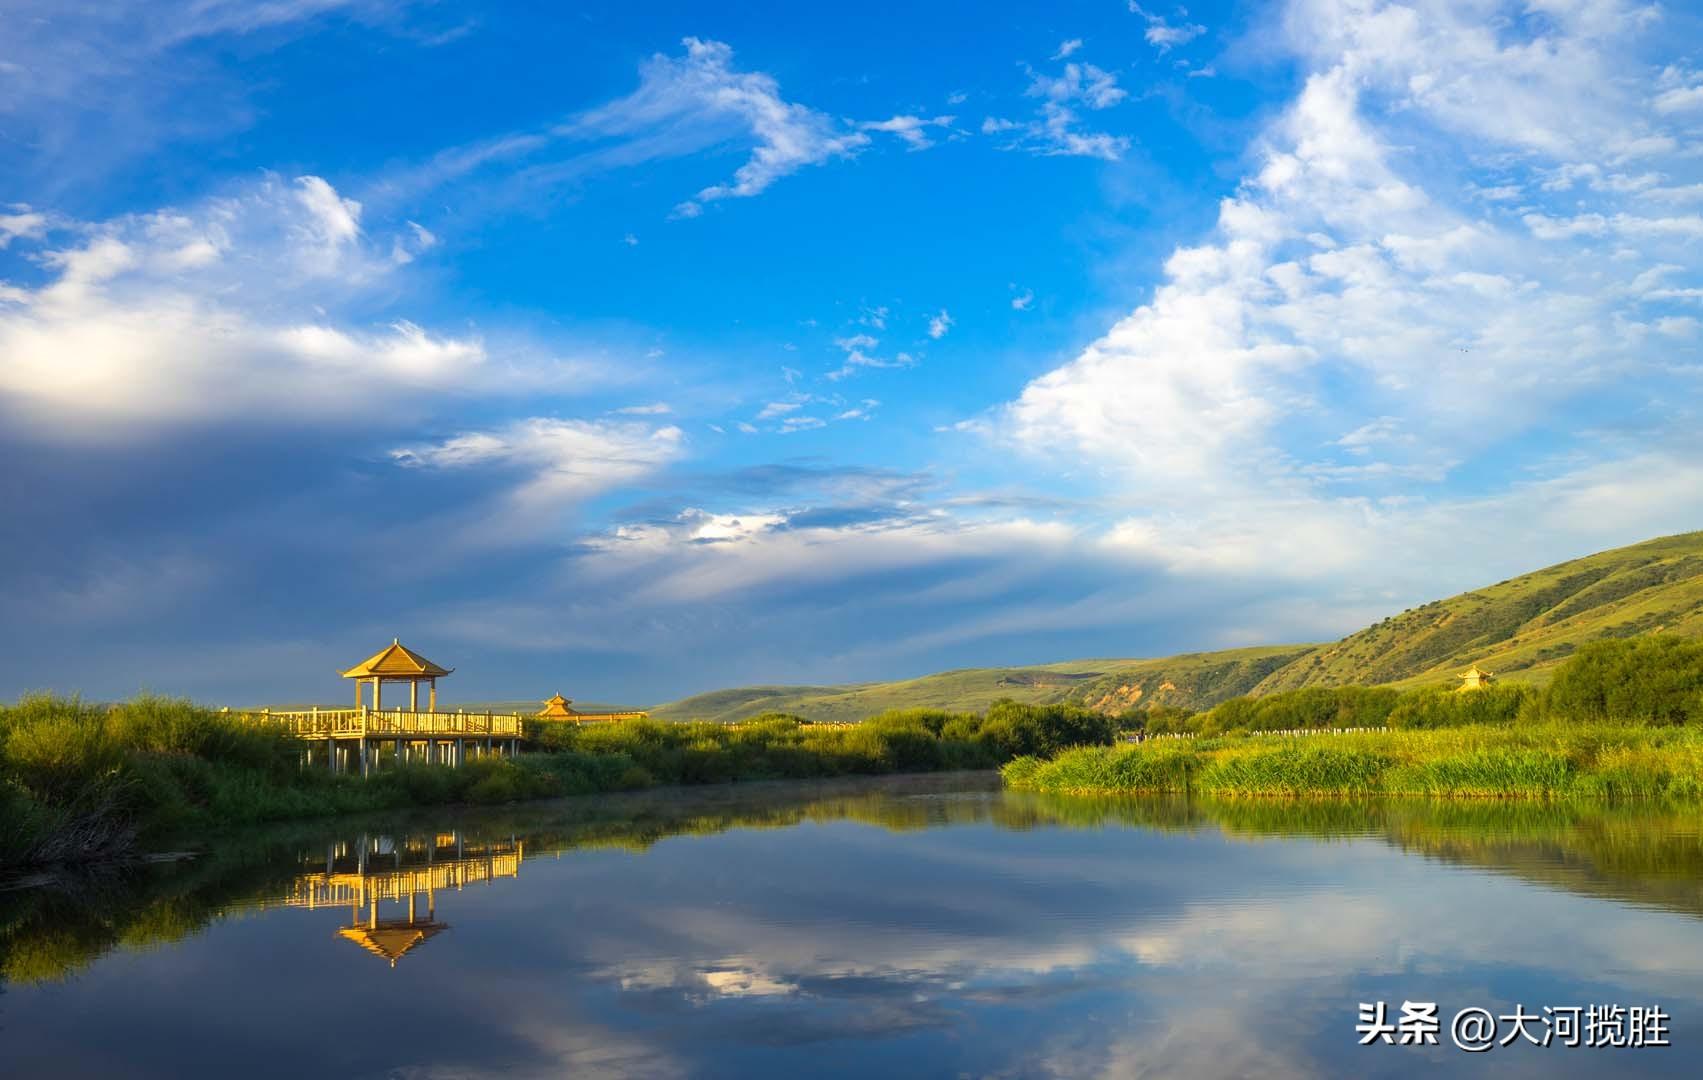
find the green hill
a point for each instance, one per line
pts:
(1519, 628)
(1110, 685)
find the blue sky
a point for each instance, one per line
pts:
(637, 350)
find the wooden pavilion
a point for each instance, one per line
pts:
(1475, 678)
(398, 663)
(557, 708)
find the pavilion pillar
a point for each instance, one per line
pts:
(358, 702)
(378, 693)
(413, 695)
(432, 696)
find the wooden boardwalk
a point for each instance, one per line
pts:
(355, 739)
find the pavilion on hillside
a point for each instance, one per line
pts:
(1475, 678)
(396, 662)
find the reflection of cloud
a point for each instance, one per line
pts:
(746, 982)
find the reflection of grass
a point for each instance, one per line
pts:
(1536, 761)
(1646, 853)
(1639, 851)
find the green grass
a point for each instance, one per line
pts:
(1538, 761)
(84, 783)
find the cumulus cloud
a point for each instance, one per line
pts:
(938, 325)
(1346, 285)
(215, 312)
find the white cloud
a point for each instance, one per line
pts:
(1084, 83)
(1065, 48)
(655, 408)
(776, 409)
(705, 555)
(220, 312)
(859, 353)
(1023, 301)
(563, 462)
(912, 129)
(685, 103)
(1164, 36)
(938, 325)
(1057, 129)
(1338, 284)
(23, 222)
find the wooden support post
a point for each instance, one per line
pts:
(378, 693)
(398, 749)
(432, 697)
(362, 743)
(413, 695)
(331, 753)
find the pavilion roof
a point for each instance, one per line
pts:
(396, 660)
(557, 706)
(1475, 672)
(391, 940)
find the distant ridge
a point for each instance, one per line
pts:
(1520, 628)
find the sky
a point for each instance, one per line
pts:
(637, 350)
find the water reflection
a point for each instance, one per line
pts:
(916, 927)
(374, 869)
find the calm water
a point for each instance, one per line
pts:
(922, 927)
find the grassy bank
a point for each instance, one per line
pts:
(1542, 761)
(81, 783)
(1621, 719)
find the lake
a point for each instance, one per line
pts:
(913, 926)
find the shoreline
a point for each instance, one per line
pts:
(1510, 762)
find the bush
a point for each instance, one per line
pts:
(1159, 720)
(1647, 680)
(1313, 708)
(1492, 705)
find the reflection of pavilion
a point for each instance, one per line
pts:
(383, 868)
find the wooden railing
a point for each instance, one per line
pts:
(391, 723)
(327, 890)
(600, 717)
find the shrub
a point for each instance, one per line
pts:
(1647, 680)
(1441, 708)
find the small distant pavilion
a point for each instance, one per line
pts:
(557, 708)
(398, 663)
(1475, 678)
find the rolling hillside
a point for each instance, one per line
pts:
(1112, 685)
(1520, 628)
